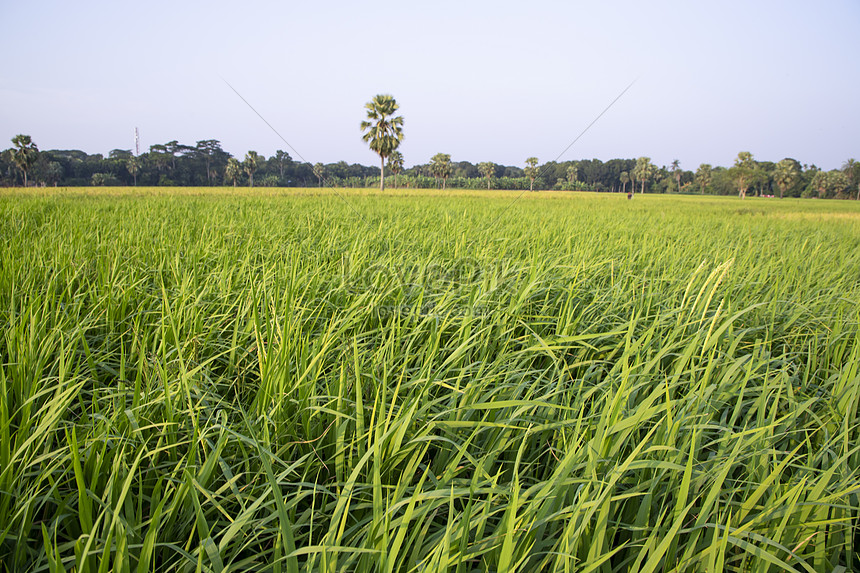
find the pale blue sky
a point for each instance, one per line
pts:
(488, 80)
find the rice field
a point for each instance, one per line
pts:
(281, 380)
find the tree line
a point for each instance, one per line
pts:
(206, 163)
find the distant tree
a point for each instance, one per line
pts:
(24, 154)
(531, 171)
(53, 173)
(233, 169)
(676, 172)
(319, 169)
(572, 174)
(818, 185)
(440, 165)
(625, 179)
(761, 176)
(160, 156)
(207, 149)
(703, 177)
(836, 184)
(121, 154)
(786, 174)
(643, 171)
(487, 169)
(282, 159)
(395, 164)
(851, 168)
(743, 172)
(384, 132)
(252, 158)
(827, 184)
(173, 148)
(133, 166)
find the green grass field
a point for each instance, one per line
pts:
(291, 380)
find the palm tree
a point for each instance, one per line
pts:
(676, 171)
(851, 168)
(440, 165)
(395, 164)
(383, 131)
(531, 171)
(487, 169)
(743, 172)
(24, 154)
(250, 165)
(319, 168)
(133, 166)
(837, 183)
(232, 170)
(643, 171)
(625, 179)
(572, 174)
(703, 176)
(819, 183)
(786, 175)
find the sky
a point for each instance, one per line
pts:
(482, 81)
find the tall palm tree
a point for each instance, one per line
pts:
(250, 165)
(625, 179)
(487, 169)
(395, 164)
(531, 171)
(232, 170)
(676, 171)
(133, 166)
(643, 171)
(319, 169)
(852, 171)
(440, 165)
(786, 174)
(24, 154)
(384, 132)
(703, 176)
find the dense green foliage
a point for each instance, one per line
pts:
(282, 381)
(206, 163)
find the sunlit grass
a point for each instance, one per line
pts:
(284, 380)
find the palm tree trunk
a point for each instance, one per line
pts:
(25, 179)
(382, 174)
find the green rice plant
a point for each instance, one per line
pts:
(279, 380)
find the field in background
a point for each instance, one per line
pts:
(284, 380)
